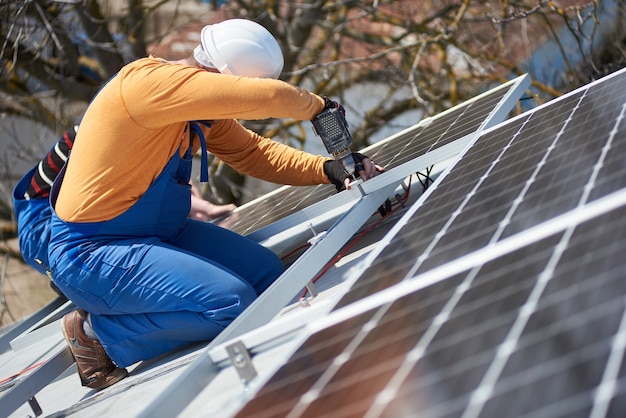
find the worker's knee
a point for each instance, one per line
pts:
(233, 305)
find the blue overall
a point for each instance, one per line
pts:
(153, 279)
(33, 224)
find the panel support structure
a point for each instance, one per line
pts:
(26, 388)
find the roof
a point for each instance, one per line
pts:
(492, 285)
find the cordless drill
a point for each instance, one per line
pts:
(331, 126)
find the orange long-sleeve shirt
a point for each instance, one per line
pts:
(137, 122)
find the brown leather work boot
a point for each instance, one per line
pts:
(95, 368)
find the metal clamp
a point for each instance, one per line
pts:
(316, 236)
(241, 360)
(310, 286)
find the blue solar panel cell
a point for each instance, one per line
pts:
(278, 205)
(478, 364)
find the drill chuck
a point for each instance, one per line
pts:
(347, 160)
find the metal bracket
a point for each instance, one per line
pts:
(242, 362)
(34, 405)
(312, 289)
(313, 292)
(316, 236)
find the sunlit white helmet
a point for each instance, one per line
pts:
(240, 47)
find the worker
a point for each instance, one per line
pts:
(148, 279)
(33, 212)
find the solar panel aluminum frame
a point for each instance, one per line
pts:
(203, 370)
(26, 388)
(44, 327)
(21, 334)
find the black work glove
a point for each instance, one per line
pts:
(331, 104)
(336, 172)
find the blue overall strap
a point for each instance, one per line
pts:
(204, 165)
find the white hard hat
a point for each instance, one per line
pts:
(240, 47)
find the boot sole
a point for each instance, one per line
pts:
(115, 375)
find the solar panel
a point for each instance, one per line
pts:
(427, 135)
(264, 211)
(500, 292)
(522, 173)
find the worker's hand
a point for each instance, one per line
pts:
(203, 210)
(331, 104)
(364, 168)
